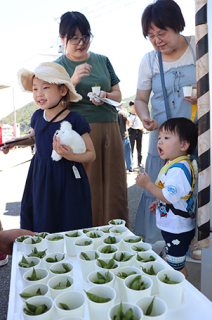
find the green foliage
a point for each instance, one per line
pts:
(23, 117)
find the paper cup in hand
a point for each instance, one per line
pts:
(96, 90)
(171, 292)
(159, 308)
(187, 91)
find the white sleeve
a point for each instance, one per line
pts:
(176, 185)
(144, 74)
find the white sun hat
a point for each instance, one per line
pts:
(50, 72)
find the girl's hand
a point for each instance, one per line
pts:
(153, 207)
(6, 148)
(63, 151)
(102, 95)
(150, 124)
(83, 70)
(142, 179)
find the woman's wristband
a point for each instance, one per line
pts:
(107, 94)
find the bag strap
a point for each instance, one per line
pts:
(163, 86)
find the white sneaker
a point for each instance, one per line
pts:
(195, 250)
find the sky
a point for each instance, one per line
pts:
(29, 35)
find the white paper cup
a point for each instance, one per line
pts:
(69, 240)
(157, 266)
(120, 281)
(41, 273)
(141, 247)
(117, 256)
(118, 241)
(60, 280)
(100, 268)
(29, 246)
(20, 244)
(74, 300)
(117, 222)
(93, 276)
(81, 247)
(97, 241)
(32, 289)
(87, 266)
(144, 256)
(187, 91)
(96, 90)
(59, 267)
(172, 294)
(37, 263)
(37, 301)
(134, 295)
(127, 244)
(107, 255)
(99, 310)
(194, 92)
(86, 230)
(61, 257)
(105, 229)
(159, 309)
(119, 231)
(55, 246)
(72, 318)
(137, 312)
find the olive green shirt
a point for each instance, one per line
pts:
(102, 74)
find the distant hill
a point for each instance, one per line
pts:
(24, 114)
(23, 117)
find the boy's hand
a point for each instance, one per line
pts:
(142, 179)
(153, 207)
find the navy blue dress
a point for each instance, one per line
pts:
(54, 200)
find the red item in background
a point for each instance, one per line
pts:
(0, 135)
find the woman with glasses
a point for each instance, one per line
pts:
(162, 22)
(107, 174)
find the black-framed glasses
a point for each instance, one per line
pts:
(76, 40)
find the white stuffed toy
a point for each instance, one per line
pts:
(70, 138)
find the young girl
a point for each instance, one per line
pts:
(173, 189)
(57, 193)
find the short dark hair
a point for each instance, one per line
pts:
(163, 13)
(184, 128)
(72, 20)
(131, 103)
